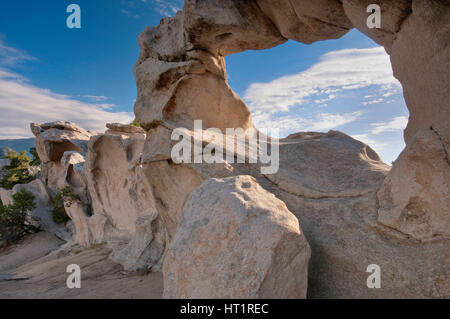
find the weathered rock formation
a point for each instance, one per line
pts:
(329, 181)
(61, 146)
(123, 197)
(113, 204)
(353, 209)
(418, 210)
(236, 240)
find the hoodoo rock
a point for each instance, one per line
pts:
(121, 197)
(53, 139)
(60, 146)
(111, 200)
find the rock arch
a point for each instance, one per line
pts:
(181, 72)
(181, 77)
(353, 210)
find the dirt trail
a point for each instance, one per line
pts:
(36, 268)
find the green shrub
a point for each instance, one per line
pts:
(14, 177)
(19, 160)
(62, 200)
(135, 123)
(36, 161)
(14, 221)
(17, 170)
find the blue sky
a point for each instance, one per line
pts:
(50, 72)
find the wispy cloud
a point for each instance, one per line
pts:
(338, 71)
(130, 14)
(96, 98)
(319, 122)
(165, 8)
(10, 56)
(396, 124)
(349, 84)
(370, 140)
(22, 103)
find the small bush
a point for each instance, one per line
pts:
(14, 221)
(17, 170)
(36, 161)
(14, 177)
(135, 123)
(19, 160)
(59, 215)
(62, 200)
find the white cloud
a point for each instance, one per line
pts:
(377, 145)
(165, 8)
(329, 98)
(22, 103)
(320, 122)
(96, 98)
(11, 56)
(337, 71)
(376, 101)
(396, 124)
(130, 14)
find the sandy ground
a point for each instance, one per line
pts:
(36, 268)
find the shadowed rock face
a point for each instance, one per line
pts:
(353, 209)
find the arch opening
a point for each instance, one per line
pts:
(345, 84)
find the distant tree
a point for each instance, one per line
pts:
(5, 151)
(14, 220)
(36, 161)
(135, 123)
(17, 170)
(19, 160)
(62, 200)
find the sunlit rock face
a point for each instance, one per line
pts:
(353, 209)
(236, 240)
(329, 181)
(112, 203)
(411, 197)
(124, 200)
